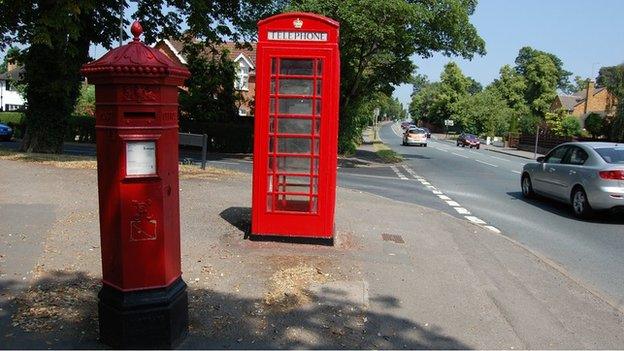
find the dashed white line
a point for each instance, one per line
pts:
(452, 203)
(456, 154)
(494, 229)
(437, 192)
(461, 210)
(444, 197)
(499, 158)
(475, 220)
(485, 163)
(516, 172)
(398, 173)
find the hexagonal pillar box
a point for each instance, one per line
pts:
(143, 301)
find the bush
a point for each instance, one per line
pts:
(80, 128)
(570, 126)
(594, 124)
(15, 120)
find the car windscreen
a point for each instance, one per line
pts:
(470, 136)
(612, 154)
(416, 131)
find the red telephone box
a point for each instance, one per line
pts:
(296, 126)
(143, 301)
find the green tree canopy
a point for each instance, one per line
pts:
(378, 39)
(511, 87)
(594, 123)
(613, 79)
(484, 113)
(543, 75)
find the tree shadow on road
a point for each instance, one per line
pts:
(60, 311)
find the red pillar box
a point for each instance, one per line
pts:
(296, 126)
(143, 300)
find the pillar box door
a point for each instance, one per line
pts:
(296, 126)
(136, 91)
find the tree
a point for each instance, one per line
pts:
(484, 113)
(579, 84)
(542, 77)
(527, 55)
(511, 87)
(11, 55)
(612, 78)
(594, 123)
(474, 87)
(570, 126)
(378, 39)
(86, 101)
(58, 34)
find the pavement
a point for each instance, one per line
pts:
(400, 276)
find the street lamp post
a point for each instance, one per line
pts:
(536, 141)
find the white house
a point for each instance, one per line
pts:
(10, 98)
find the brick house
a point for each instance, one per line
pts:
(586, 101)
(243, 58)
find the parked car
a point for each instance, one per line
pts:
(6, 133)
(415, 136)
(470, 140)
(427, 131)
(587, 175)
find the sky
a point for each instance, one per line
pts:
(585, 35)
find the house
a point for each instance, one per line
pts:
(10, 98)
(244, 58)
(586, 101)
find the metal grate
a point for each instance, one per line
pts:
(393, 237)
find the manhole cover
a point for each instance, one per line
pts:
(393, 237)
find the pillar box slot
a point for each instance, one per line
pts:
(143, 301)
(296, 126)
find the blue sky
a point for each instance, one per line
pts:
(586, 35)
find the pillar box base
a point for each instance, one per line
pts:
(154, 318)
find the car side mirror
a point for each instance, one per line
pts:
(540, 159)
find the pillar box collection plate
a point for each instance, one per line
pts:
(143, 301)
(296, 126)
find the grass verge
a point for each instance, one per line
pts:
(387, 155)
(89, 162)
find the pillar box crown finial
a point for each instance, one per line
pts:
(136, 30)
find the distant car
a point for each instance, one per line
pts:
(405, 125)
(427, 131)
(587, 175)
(6, 133)
(415, 136)
(469, 140)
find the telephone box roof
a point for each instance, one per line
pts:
(307, 15)
(135, 59)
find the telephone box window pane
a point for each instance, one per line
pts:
(271, 125)
(294, 145)
(319, 68)
(294, 126)
(297, 67)
(319, 87)
(272, 85)
(271, 105)
(296, 86)
(295, 106)
(318, 108)
(294, 184)
(293, 203)
(293, 165)
(314, 205)
(316, 146)
(271, 145)
(317, 126)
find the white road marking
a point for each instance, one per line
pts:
(444, 197)
(452, 203)
(516, 172)
(456, 154)
(485, 163)
(431, 187)
(437, 192)
(494, 229)
(499, 158)
(398, 173)
(367, 176)
(475, 220)
(462, 210)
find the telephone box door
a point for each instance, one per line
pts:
(297, 183)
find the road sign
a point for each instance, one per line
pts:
(449, 122)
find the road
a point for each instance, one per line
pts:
(487, 185)
(481, 187)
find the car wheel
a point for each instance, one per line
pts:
(527, 187)
(478, 147)
(425, 145)
(580, 203)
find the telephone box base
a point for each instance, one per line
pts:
(146, 319)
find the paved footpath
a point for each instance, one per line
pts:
(400, 275)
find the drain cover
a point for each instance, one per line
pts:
(393, 237)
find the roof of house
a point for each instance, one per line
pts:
(14, 74)
(568, 102)
(234, 50)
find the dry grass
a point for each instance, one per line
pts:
(288, 287)
(89, 162)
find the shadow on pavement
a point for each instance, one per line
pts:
(60, 312)
(564, 210)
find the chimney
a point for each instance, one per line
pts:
(589, 93)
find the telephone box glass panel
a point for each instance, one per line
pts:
(294, 135)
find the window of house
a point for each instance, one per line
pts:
(9, 86)
(242, 77)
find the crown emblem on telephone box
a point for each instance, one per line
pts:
(298, 23)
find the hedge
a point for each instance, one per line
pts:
(79, 128)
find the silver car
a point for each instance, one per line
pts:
(587, 175)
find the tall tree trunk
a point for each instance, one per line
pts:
(52, 80)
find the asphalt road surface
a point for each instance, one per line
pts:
(484, 187)
(481, 187)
